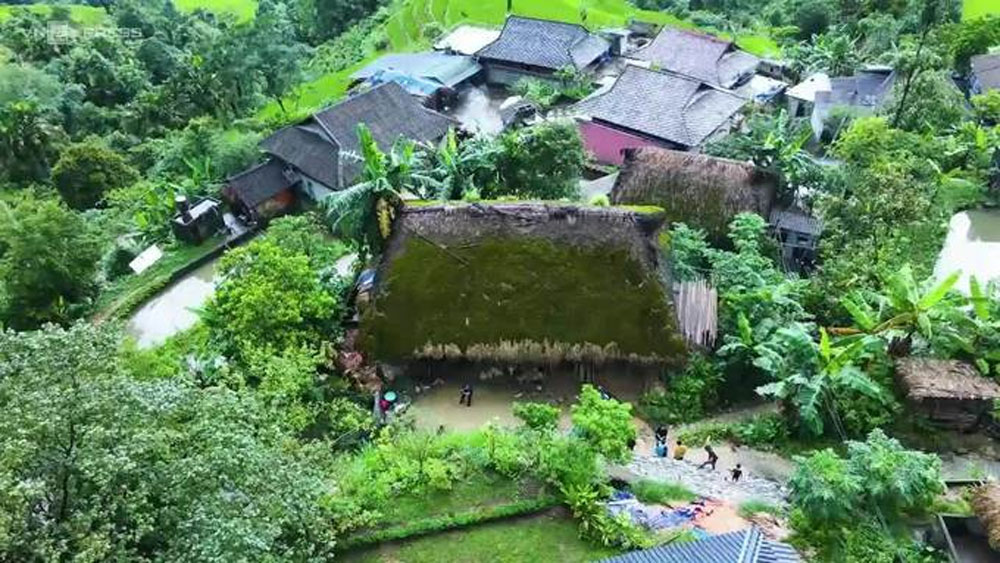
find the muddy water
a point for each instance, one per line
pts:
(173, 310)
(492, 399)
(972, 246)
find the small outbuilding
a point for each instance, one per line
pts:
(262, 192)
(952, 393)
(862, 93)
(196, 223)
(798, 232)
(703, 191)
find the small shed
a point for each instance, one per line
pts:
(951, 393)
(798, 232)
(467, 39)
(194, 224)
(262, 192)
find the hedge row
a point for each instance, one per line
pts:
(449, 522)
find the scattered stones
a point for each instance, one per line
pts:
(706, 482)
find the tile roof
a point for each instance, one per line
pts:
(260, 183)
(662, 105)
(796, 220)
(307, 148)
(986, 69)
(744, 546)
(546, 44)
(389, 112)
(700, 56)
(867, 88)
(444, 69)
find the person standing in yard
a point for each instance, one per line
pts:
(680, 450)
(737, 472)
(660, 440)
(466, 397)
(712, 457)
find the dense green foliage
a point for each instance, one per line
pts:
(874, 488)
(48, 260)
(207, 476)
(86, 171)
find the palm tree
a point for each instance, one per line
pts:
(364, 212)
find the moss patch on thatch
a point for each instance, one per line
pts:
(484, 293)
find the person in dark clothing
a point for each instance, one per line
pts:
(712, 457)
(661, 434)
(737, 472)
(466, 397)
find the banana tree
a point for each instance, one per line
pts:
(905, 310)
(809, 374)
(364, 212)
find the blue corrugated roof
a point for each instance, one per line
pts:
(446, 70)
(744, 546)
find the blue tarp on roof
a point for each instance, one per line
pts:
(412, 84)
(446, 70)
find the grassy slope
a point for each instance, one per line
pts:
(83, 15)
(972, 9)
(404, 33)
(540, 538)
(244, 10)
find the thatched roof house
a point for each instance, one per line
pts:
(522, 282)
(700, 190)
(950, 392)
(986, 505)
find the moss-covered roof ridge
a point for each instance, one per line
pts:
(534, 281)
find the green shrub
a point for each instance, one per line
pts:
(688, 397)
(763, 431)
(661, 492)
(537, 416)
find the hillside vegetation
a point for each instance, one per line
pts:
(83, 15)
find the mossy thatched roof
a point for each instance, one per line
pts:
(932, 378)
(703, 191)
(524, 282)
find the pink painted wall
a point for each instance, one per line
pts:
(607, 144)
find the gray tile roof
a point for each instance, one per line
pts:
(674, 108)
(796, 220)
(447, 70)
(546, 44)
(744, 546)
(867, 88)
(986, 69)
(259, 184)
(390, 113)
(307, 148)
(700, 56)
